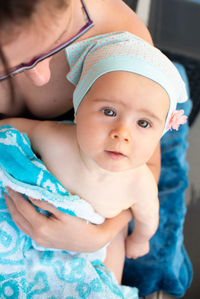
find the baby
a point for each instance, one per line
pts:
(125, 100)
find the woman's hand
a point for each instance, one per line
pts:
(61, 230)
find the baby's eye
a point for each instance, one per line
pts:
(109, 112)
(143, 123)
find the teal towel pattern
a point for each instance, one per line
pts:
(29, 271)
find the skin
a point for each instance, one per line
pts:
(113, 139)
(44, 92)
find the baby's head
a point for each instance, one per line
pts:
(122, 81)
(126, 52)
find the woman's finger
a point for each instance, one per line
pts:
(33, 223)
(19, 220)
(46, 206)
(22, 207)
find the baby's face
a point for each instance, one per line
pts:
(121, 120)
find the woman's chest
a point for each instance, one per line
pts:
(46, 101)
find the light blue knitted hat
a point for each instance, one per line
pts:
(122, 51)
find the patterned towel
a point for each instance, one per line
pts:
(29, 271)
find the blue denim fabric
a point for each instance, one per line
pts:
(167, 266)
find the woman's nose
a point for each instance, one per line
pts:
(40, 74)
(121, 134)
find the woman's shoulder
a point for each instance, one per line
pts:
(115, 15)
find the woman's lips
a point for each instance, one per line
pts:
(115, 155)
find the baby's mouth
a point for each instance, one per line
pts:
(114, 155)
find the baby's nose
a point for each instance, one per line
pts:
(121, 134)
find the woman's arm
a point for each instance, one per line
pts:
(61, 230)
(113, 16)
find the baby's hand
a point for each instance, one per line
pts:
(135, 250)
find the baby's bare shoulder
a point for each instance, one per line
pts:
(144, 183)
(54, 137)
(144, 175)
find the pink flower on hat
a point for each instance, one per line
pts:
(177, 118)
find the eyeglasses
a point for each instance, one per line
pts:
(26, 66)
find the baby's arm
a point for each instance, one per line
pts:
(23, 125)
(146, 216)
(39, 132)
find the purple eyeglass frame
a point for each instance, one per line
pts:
(26, 66)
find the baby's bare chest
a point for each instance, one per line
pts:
(108, 199)
(108, 196)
